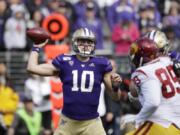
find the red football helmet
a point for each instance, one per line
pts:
(142, 51)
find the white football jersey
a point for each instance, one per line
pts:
(159, 93)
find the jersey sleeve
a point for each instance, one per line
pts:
(58, 62)
(107, 66)
(139, 77)
(149, 94)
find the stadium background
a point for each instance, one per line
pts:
(116, 24)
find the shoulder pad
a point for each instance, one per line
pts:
(60, 59)
(64, 57)
(103, 63)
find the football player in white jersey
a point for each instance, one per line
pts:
(162, 43)
(158, 90)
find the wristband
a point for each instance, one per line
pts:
(36, 49)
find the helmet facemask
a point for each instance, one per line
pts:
(84, 47)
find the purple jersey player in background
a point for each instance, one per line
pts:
(82, 75)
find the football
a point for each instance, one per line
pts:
(38, 35)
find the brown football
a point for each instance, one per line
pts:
(38, 35)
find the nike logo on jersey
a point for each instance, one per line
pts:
(92, 65)
(71, 63)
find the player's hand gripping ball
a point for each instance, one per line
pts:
(38, 35)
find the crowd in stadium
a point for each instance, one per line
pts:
(116, 24)
(121, 21)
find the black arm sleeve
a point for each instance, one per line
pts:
(176, 68)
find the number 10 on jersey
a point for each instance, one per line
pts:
(83, 79)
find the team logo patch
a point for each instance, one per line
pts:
(66, 58)
(71, 63)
